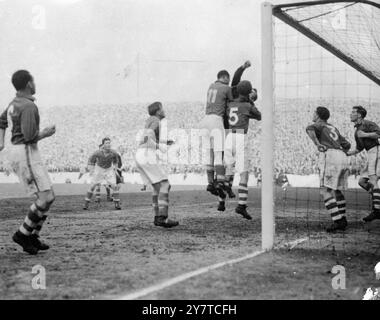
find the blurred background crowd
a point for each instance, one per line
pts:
(80, 130)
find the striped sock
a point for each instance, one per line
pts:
(243, 193)
(229, 180)
(332, 208)
(376, 200)
(89, 196)
(39, 225)
(220, 173)
(97, 193)
(341, 202)
(155, 205)
(115, 197)
(210, 176)
(31, 220)
(163, 204)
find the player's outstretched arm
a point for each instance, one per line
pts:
(239, 72)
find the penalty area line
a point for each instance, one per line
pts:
(167, 283)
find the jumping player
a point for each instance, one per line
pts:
(367, 134)
(151, 170)
(212, 132)
(102, 166)
(333, 166)
(237, 145)
(23, 158)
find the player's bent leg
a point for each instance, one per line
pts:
(243, 196)
(116, 197)
(155, 193)
(97, 194)
(89, 195)
(162, 219)
(44, 202)
(375, 214)
(339, 220)
(28, 233)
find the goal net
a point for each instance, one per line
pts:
(324, 53)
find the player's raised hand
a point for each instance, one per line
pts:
(247, 64)
(48, 131)
(170, 142)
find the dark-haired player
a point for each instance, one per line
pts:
(102, 165)
(23, 158)
(367, 134)
(333, 167)
(240, 111)
(219, 94)
(151, 169)
(97, 189)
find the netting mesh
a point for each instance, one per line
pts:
(306, 76)
(351, 28)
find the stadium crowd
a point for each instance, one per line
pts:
(80, 130)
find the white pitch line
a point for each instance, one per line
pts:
(191, 274)
(183, 277)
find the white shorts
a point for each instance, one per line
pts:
(150, 167)
(212, 132)
(236, 151)
(333, 169)
(25, 161)
(372, 166)
(106, 177)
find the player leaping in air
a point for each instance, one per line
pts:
(152, 171)
(333, 166)
(103, 166)
(236, 150)
(213, 134)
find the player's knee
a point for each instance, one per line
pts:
(165, 186)
(244, 177)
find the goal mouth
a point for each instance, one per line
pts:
(348, 29)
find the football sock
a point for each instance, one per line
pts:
(243, 193)
(332, 208)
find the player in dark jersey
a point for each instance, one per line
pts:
(367, 134)
(236, 152)
(152, 171)
(212, 132)
(102, 166)
(333, 166)
(252, 98)
(24, 159)
(97, 189)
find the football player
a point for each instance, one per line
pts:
(333, 166)
(151, 169)
(367, 134)
(240, 111)
(102, 165)
(23, 158)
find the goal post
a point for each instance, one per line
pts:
(267, 139)
(324, 43)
